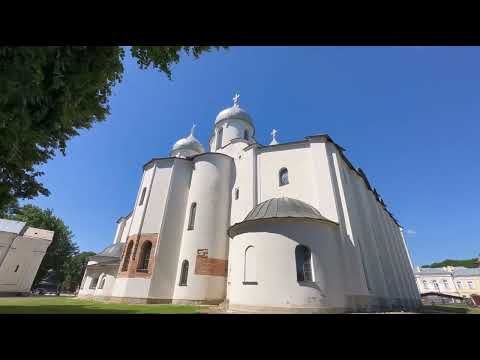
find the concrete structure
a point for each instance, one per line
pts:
(284, 227)
(22, 249)
(458, 281)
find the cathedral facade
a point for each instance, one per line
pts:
(283, 227)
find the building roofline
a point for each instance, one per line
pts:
(341, 149)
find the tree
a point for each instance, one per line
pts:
(468, 263)
(74, 269)
(49, 93)
(62, 246)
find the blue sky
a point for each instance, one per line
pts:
(408, 116)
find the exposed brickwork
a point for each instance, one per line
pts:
(210, 266)
(139, 240)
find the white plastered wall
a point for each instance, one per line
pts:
(210, 188)
(274, 242)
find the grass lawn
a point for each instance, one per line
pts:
(454, 309)
(68, 305)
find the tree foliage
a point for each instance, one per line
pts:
(468, 263)
(48, 94)
(74, 269)
(62, 247)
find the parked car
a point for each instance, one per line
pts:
(46, 289)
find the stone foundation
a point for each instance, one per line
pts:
(131, 300)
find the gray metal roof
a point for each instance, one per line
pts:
(110, 253)
(281, 208)
(457, 271)
(438, 271)
(12, 226)
(461, 271)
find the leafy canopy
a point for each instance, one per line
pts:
(468, 263)
(47, 94)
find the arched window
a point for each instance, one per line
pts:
(283, 176)
(445, 284)
(102, 282)
(250, 267)
(144, 256)
(94, 282)
(83, 282)
(303, 258)
(425, 284)
(184, 274)
(219, 138)
(191, 219)
(126, 259)
(245, 134)
(142, 197)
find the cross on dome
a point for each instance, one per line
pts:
(193, 129)
(236, 99)
(274, 139)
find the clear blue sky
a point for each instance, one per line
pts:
(408, 116)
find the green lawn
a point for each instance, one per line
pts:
(68, 305)
(454, 309)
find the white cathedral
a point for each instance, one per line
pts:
(289, 227)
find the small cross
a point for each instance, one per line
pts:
(274, 134)
(235, 99)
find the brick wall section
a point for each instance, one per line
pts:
(132, 271)
(210, 266)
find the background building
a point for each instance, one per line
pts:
(22, 249)
(458, 281)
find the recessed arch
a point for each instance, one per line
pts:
(250, 265)
(144, 256)
(128, 253)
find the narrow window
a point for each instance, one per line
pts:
(250, 267)
(445, 284)
(144, 256)
(142, 197)
(245, 134)
(459, 284)
(237, 193)
(184, 274)
(435, 285)
(16, 269)
(425, 285)
(470, 284)
(283, 176)
(303, 258)
(94, 282)
(191, 220)
(102, 283)
(219, 138)
(83, 282)
(127, 256)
